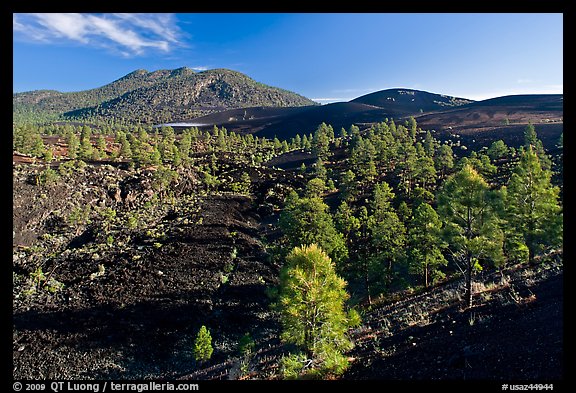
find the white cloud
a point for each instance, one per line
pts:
(158, 24)
(127, 34)
(200, 68)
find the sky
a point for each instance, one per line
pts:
(325, 57)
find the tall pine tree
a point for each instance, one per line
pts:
(311, 304)
(307, 221)
(426, 244)
(533, 211)
(466, 205)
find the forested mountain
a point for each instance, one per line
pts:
(55, 102)
(163, 95)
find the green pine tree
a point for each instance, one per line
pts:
(533, 210)
(321, 142)
(73, 145)
(467, 207)
(203, 345)
(497, 150)
(388, 238)
(444, 160)
(307, 221)
(311, 304)
(426, 244)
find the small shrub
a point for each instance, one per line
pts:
(48, 176)
(228, 267)
(66, 168)
(132, 221)
(246, 344)
(293, 365)
(99, 273)
(38, 280)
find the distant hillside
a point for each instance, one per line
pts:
(164, 95)
(537, 102)
(503, 118)
(478, 122)
(408, 101)
(374, 107)
(498, 111)
(287, 122)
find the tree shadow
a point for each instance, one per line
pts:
(150, 338)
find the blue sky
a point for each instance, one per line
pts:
(326, 57)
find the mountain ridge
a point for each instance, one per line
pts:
(159, 95)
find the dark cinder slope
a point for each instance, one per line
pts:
(482, 122)
(497, 111)
(375, 107)
(409, 102)
(287, 122)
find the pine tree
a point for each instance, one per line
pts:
(277, 144)
(311, 303)
(497, 150)
(86, 149)
(176, 157)
(143, 135)
(101, 146)
(413, 127)
(203, 345)
(185, 145)
(404, 212)
(320, 170)
(307, 221)
(406, 167)
(354, 133)
(48, 155)
(429, 144)
(321, 142)
(315, 188)
(73, 145)
(155, 156)
(530, 137)
(388, 235)
(345, 221)
(297, 141)
(444, 160)
(426, 244)
(466, 206)
(306, 144)
(348, 186)
(125, 149)
(85, 133)
(425, 172)
(533, 211)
